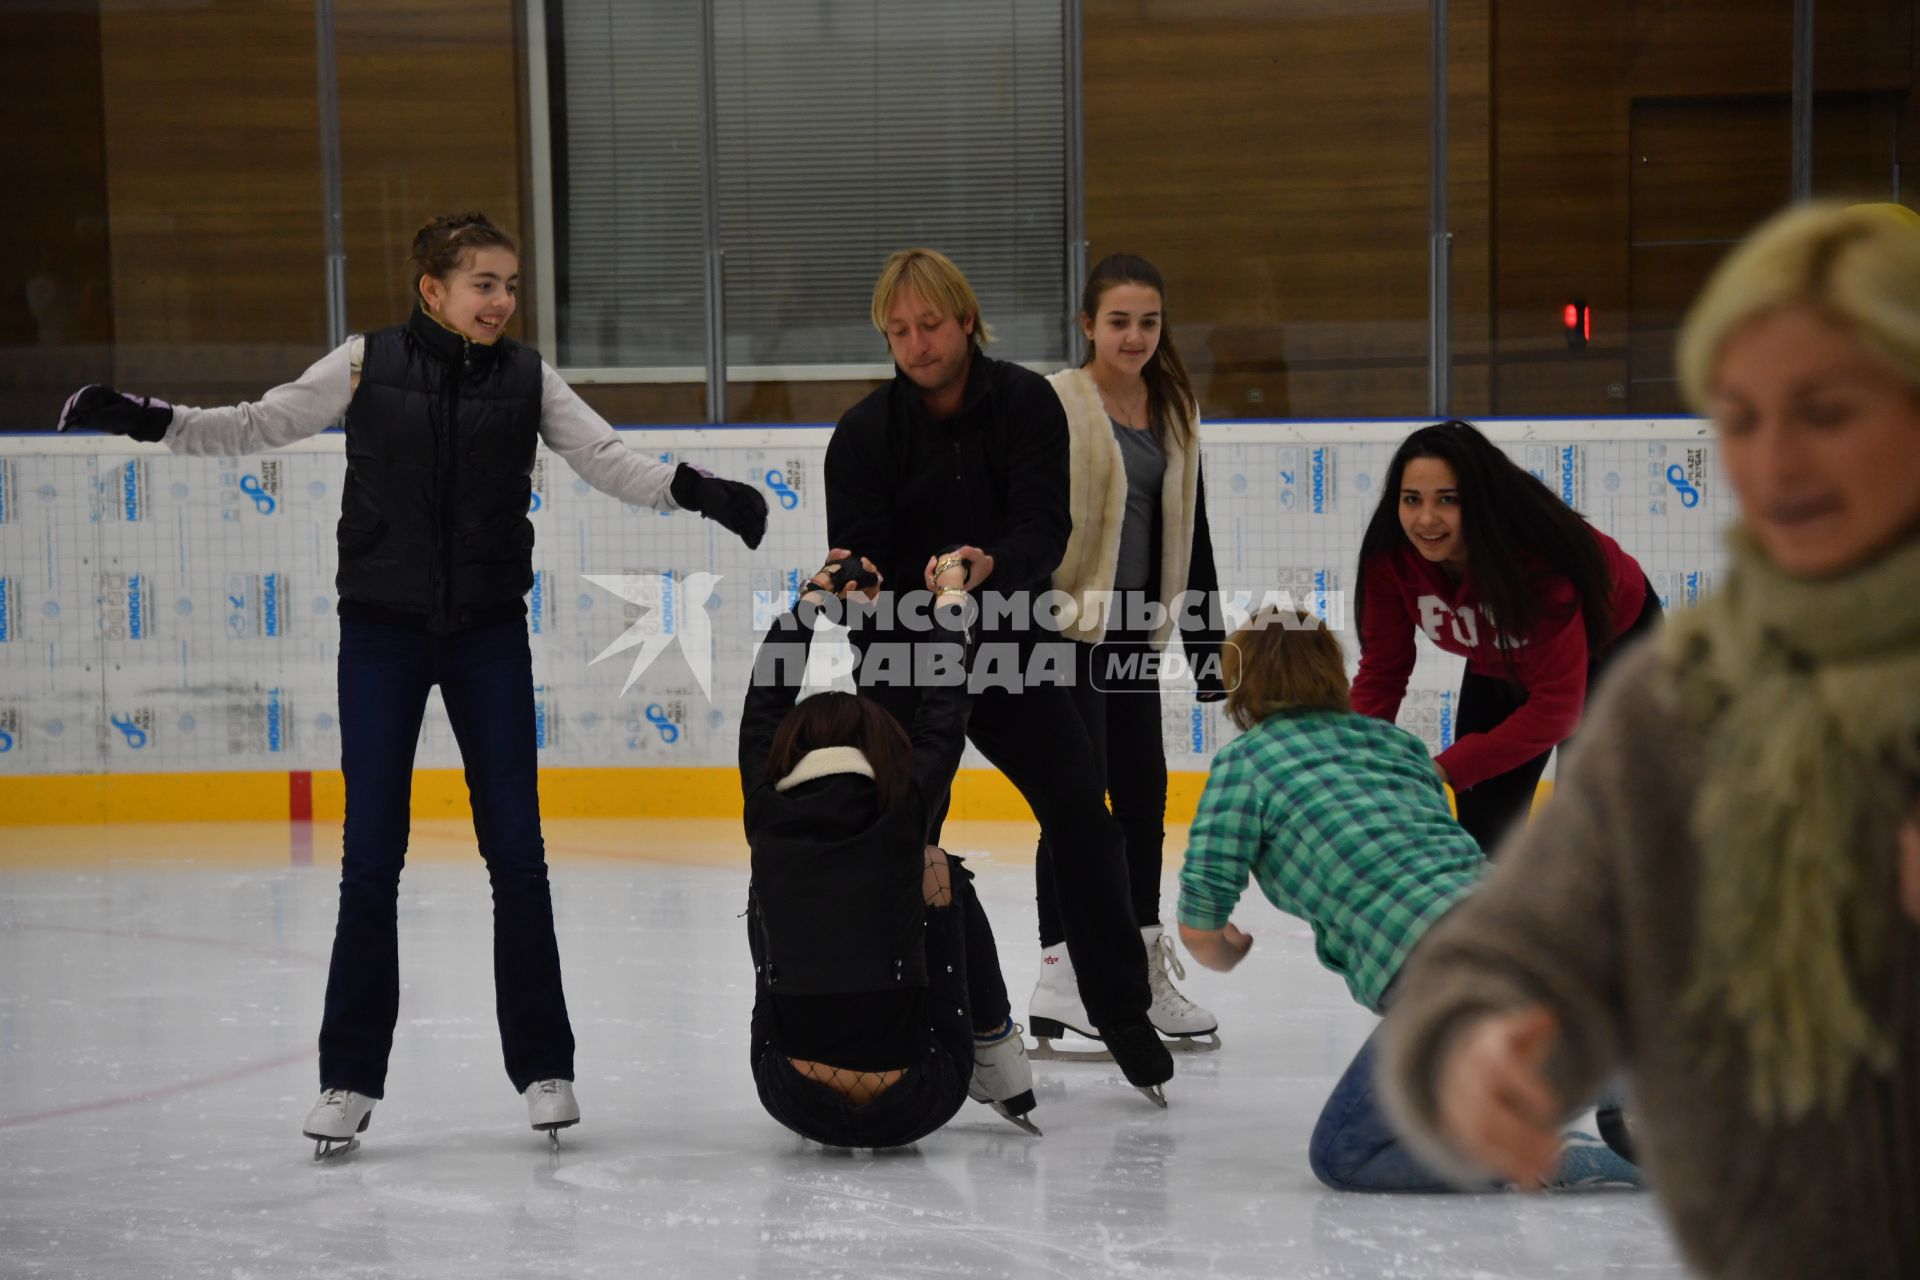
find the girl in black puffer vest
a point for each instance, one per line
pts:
(878, 1003)
(443, 417)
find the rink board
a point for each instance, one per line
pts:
(175, 616)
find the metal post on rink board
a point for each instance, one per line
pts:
(1440, 239)
(710, 210)
(334, 217)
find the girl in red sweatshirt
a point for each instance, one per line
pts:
(1474, 551)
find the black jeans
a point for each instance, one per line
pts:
(965, 993)
(486, 679)
(1121, 710)
(1490, 809)
(1035, 736)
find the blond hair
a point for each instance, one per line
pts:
(1858, 267)
(1283, 661)
(932, 275)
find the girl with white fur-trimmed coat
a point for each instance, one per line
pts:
(1138, 565)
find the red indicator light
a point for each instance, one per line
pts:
(1577, 319)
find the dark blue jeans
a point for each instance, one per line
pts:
(1354, 1149)
(486, 680)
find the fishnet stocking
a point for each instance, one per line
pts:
(937, 880)
(857, 1087)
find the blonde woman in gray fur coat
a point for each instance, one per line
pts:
(1139, 566)
(1723, 895)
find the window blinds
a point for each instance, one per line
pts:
(847, 129)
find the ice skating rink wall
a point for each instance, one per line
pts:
(168, 635)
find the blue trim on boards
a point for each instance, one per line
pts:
(1211, 422)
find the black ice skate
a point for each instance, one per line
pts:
(1140, 1055)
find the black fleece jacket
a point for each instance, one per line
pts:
(902, 487)
(836, 903)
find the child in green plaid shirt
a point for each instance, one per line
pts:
(1343, 821)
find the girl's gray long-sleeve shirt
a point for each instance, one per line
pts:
(318, 399)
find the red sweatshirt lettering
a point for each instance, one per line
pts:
(1405, 591)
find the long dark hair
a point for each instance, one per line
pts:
(1171, 406)
(1511, 522)
(835, 719)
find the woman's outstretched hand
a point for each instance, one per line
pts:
(1495, 1106)
(738, 508)
(100, 408)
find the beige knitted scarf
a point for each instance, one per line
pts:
(1809, 695)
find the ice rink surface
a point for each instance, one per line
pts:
(161, 995)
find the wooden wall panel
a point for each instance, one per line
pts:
(1470, 194)
(213, 180)
(216, 186)
(788, 401)
(1856, 145)
(1568, 82)
(56, 313)
(430, 120)
(1692, 201)
(1273, 164)
(1560, 203)
(1271, 159)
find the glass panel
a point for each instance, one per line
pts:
(629, 226)
(848, 130)
(1272, 162)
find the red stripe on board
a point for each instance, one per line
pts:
(300, 797)
(165, 1091)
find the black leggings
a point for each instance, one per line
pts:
(1122, 715)
(965, 992)
(1490, 809)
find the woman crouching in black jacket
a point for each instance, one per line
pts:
(878, 1006)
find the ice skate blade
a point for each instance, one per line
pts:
(1155, 1094)
(1047, 1051)
(325, 1148)
(553, 1132)
(1208, 1043)
(1019, 1122)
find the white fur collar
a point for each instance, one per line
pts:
(1097, 497)
(823, 762)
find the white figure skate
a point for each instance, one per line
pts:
(1002, 1076)
(1056, 1009)
(551, 1107)
(1174, 1016)
(336, 1120)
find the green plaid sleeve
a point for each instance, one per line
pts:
(1222, 845)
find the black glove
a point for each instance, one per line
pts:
(848, 573)
(104, 409)
(1204, 655)
(737, 507)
